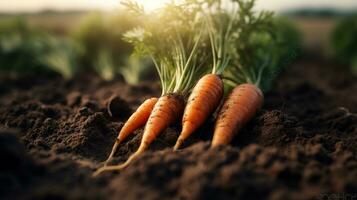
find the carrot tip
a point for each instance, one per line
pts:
(111, 168)
(178, 144)
(111, 155)
(118, 167)
(99, 171)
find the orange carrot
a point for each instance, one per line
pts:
(136, 120)
(240, 107)
(203, 100)
(167, 110)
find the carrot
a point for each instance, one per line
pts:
(136, 120)
(206, 95)
(240, 107)
(249, 72)
(167, 111)
(178, 57)
(203, 100)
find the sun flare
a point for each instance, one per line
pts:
(150, 5)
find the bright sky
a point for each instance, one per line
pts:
(35, 5)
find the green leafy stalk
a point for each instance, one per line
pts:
(27, 49)
(61, 57)
(254, 44)
(221, 21)
(344, 41)
(264, 46)
(172, 38)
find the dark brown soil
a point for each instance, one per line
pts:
(303, 144)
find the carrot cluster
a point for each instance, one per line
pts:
(200, 49)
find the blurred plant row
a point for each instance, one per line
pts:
(27, 49)
(97, 46)
(344, 42)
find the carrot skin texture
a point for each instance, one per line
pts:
(135, 121)
(240, 107)
(138, 118)
(167, 110)
(202, 102)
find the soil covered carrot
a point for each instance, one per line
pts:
(253, 68)
(136, 120)
(224, 23)
(167, 110)
(172, 41)
(241, 105)
(203, 100)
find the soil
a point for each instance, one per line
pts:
(55, 133)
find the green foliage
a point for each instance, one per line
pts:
(249, 55)
(137, 69)
(104, 65)
(283, 45)
(20, 47)
(223, 27)
(26, 49)
(184, 41)
(171, 38)
(253, 46)
(102, 48)
(62, 58)
(264, 46)
(344, 41)
(288, 42)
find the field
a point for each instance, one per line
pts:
(316, 32)
(302, 145)
(60, 24)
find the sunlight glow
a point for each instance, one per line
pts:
(150, 5)
(276, 5)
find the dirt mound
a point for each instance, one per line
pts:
(254, 172)
(301, 145)
(17, 169)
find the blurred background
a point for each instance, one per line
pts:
(67, 37)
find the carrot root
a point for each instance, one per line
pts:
(202, 102)
(114, 149)
(167, 110)
(136, 120)
(240, 107)
(107, 168)
(178, 143)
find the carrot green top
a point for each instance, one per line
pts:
(253, 47)
(171, 37)
(226, 37)
(239, 38)
(259, 46)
